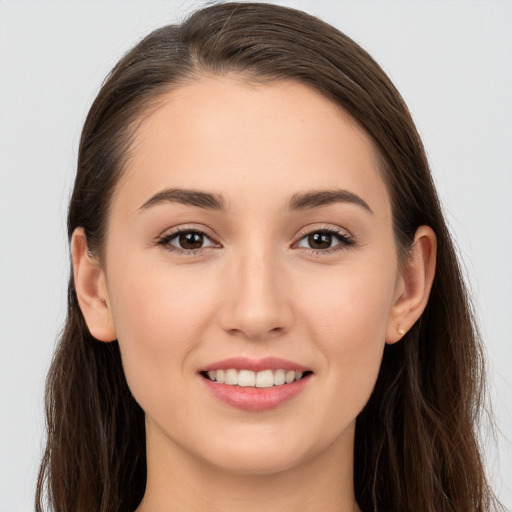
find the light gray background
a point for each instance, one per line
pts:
(451, 60)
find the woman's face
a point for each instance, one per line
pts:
(251, 231)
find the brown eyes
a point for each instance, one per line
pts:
(186, 241)
(191, 241)
(320, 240)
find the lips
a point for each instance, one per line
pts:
(256, 365)
(255, 385)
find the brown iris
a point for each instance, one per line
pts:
(191, 240)
(320, 240)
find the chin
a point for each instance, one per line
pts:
(258, 455)
(260, 464)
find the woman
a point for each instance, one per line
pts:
(265, 309)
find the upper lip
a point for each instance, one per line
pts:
(255, 365)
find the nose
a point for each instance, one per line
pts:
(256, 304)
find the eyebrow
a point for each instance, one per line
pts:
(299, 201)
(187, 197)
(304, 201)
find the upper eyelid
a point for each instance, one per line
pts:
(171, 232)
(338, 230)
(344, 236)
(302, 232)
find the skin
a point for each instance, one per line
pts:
(254, 289)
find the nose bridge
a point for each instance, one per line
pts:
(255, 301)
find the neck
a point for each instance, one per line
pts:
(181, 483)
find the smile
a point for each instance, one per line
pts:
(248, 378)
(255, 384)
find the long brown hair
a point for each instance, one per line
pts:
(416, 444)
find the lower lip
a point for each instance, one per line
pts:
(256, 399)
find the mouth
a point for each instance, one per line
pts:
(256, 384)
(244, 378)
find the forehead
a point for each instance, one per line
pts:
(243, 139)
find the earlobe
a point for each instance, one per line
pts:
(91, 289)
(414, 285)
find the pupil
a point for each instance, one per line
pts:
(191, 240)
(320, 240)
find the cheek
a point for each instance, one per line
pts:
(159, 319)
(351, 303)
(348, 322)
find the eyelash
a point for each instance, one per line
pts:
(345, 241)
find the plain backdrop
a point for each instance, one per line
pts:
(452, 62)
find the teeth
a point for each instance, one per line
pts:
(279, 377)
(265, 379)
(231, 377)
(290, 376)
(248, 378)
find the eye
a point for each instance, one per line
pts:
(326, 240)
(189, 240)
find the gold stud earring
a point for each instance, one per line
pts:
(401, 331)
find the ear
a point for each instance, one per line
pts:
(91, 289)
(413, 285)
